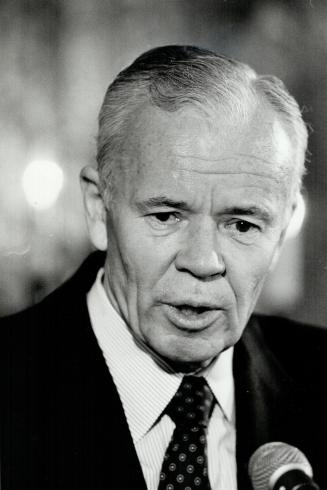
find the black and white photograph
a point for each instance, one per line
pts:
(163, 245)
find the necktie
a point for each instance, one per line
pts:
(185, 462)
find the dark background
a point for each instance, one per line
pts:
(57, 59)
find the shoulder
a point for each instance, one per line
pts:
(47, 344)
(283, 333)
(60, 301)
(300, 348)
(60, 315)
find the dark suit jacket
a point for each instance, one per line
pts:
(62, 423)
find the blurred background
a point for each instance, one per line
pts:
(57, 59)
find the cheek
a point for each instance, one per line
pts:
(247, 272)
(142, 258)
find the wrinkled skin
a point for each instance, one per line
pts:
(197, 219)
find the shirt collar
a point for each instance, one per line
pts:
(144, 383)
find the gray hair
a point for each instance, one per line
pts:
(171, 77)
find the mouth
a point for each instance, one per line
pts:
(190, 317)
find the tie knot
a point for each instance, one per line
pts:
(192, 403)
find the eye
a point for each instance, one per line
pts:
(163, 219)
(244, 226)
(243, 231)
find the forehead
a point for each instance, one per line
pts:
(160, 144)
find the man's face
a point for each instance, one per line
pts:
(194, 226)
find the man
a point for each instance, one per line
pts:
(200, 163)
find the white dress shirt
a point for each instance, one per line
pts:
(145, 387)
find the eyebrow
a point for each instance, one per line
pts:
(161, 201)
(250, 211)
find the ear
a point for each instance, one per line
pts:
(94, 207)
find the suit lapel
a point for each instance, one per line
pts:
(265, 399)
(111, 436)
(97, 450)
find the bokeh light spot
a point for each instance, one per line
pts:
(42, 183)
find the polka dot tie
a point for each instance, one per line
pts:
(185, 462)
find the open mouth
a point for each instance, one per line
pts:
(191, 317)
(190, 311)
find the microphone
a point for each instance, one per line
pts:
(279, 466)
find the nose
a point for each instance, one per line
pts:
(199, 254)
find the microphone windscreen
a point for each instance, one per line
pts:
(269, 458)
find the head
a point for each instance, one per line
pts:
(200, 162)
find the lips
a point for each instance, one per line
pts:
(192, 317)
(192, 311)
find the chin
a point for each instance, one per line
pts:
(187, 363)
(185, 358)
